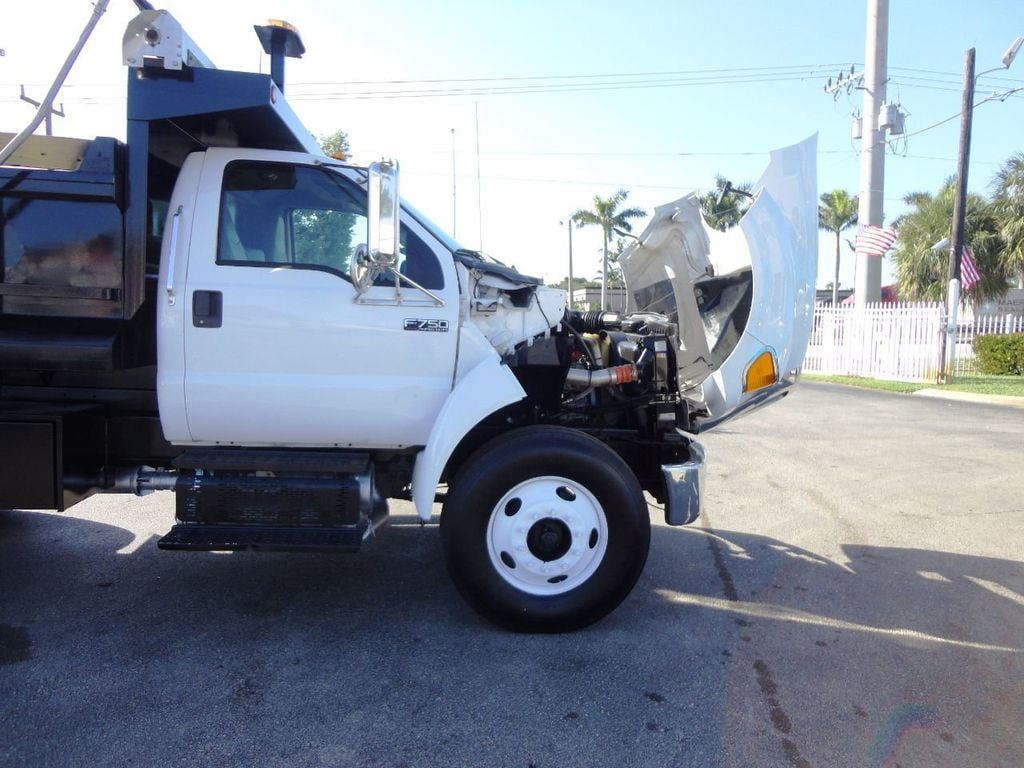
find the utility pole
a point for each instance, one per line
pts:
(962, 165)
(49, 113)
(947, 345)
(479, 201)
(98, 9)
(947, 342)
(568, 225)
(604, 274)
(868, 287)
(453, 185)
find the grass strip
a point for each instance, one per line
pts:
(981, 385)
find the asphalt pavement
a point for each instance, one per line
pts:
(854, 596)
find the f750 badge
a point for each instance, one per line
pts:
(433, 326)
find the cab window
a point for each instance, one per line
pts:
(280, 215)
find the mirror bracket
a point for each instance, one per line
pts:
(379, 256)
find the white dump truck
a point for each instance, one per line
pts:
(217, 309)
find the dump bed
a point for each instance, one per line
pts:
(82, 220)
(62, 295)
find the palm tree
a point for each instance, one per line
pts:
(922, 272)
(838, 211)
(724, 206)
(608, 217)
(1008, 203)
(614, 267)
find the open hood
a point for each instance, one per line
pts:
(735, 295)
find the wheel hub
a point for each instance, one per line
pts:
(547, 535)
(549, 539)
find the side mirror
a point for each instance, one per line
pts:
(380, 254)
(383, 214)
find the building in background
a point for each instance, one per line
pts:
(590, 298)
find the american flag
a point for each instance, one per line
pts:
(969, 273)
(874, 241)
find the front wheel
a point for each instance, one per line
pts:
(545, 529)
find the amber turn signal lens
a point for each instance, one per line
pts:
(761, 372)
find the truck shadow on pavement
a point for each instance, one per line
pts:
(773, 644)
(875, 656)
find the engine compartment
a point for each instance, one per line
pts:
(603, 371)
(613, 376)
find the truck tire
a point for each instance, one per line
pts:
(545, 529)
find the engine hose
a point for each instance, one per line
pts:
(596, 320)
(620, 374)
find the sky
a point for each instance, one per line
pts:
(539, 105)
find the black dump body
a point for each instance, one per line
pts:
(82, 228)
(62, 295)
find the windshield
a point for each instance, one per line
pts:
(447, 240)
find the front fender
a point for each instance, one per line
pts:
(486, 388)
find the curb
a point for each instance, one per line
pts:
(972, 397)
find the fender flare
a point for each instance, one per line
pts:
(485, 389)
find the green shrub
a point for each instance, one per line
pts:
(1000, 354)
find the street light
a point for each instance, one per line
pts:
(960, 199)
(568, 223)
(1011, 53)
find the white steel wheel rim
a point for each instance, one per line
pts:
(547, 535)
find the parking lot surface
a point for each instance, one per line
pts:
(854, 596)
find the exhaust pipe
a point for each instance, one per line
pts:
(581, 378)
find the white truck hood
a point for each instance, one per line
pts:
(734, 294)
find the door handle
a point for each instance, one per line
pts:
(172, 251)
(207, 309)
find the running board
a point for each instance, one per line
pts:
(264, 538)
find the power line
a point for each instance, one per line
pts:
(519, 90)
(995, 97)
(555, 153)
(946, 159)
(579, 182)
(953, 77)
(949, 87)
(608, 75)
(956, 76)
(770, 75)
(715, 73)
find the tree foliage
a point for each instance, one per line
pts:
(614, 267)
(609, 216)
(1008, 203)
(723, 209)
(921, 272)
(577, 283)
(325, 236)
(335, 143)
(838, 211)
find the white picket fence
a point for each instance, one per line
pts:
(898, 342)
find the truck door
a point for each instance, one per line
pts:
(277, 351)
